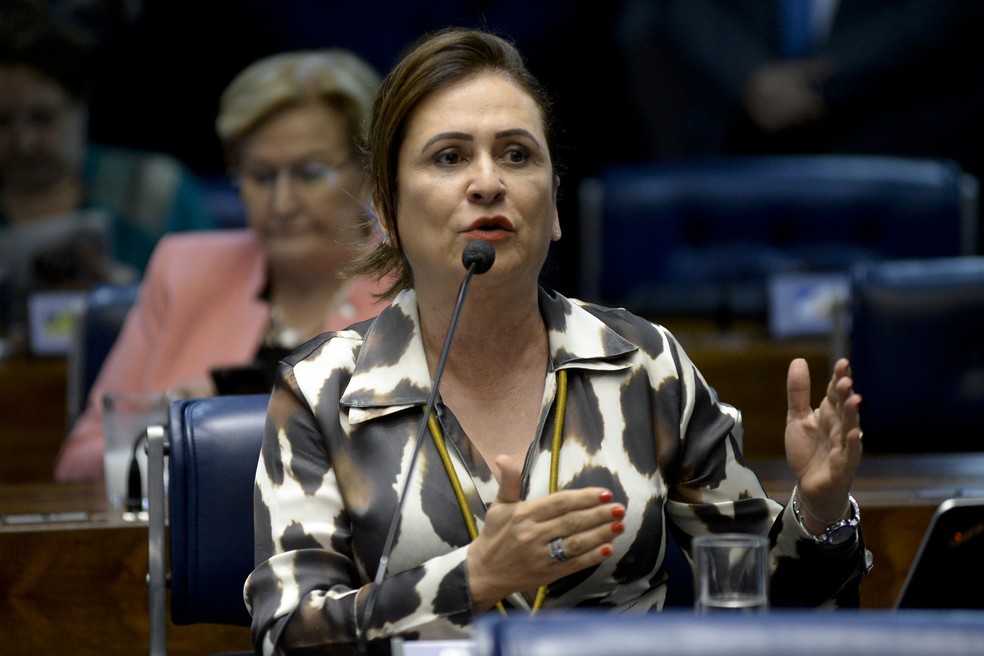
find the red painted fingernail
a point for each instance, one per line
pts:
(605, 496)
(618, 527)
(606, 551)
(618, 512)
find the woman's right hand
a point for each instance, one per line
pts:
(512, 553)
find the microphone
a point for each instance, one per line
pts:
(478, 257)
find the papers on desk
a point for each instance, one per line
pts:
(403, 647)
(43, 518)
(51, 317)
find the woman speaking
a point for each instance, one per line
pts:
(567, 438)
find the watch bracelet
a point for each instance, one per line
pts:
(853, 520)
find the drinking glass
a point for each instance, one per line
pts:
(126, 416)
(732, 573)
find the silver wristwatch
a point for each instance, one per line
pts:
(837, 533)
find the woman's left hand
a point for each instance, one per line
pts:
(823, 445)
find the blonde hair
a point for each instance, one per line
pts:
(337, 77)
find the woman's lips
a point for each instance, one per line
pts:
(490, 229)
(490, 233)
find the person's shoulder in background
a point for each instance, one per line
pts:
(215, 252)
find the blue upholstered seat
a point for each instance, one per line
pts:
(917, 350)
(213, 447)
(96, 330)
(702, 237)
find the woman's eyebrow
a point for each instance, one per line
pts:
(459, 136)
(464, 136)
(517, 132)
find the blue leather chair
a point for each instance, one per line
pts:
(96, 330)
(776, 633)
(212, 446)
(917, 351)
(702, 237)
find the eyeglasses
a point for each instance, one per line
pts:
(307, 177)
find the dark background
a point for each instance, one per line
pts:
(161, 69)
(621, 73)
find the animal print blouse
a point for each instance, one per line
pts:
(640, 420)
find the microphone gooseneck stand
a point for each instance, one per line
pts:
(477, 258)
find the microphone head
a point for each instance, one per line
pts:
(479, 254)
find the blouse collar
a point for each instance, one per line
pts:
(391, 371)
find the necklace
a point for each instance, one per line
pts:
(278, 333)
(459, 493)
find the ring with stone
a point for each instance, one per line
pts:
(557, 551)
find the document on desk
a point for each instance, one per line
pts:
(43, 518)
(401, 647)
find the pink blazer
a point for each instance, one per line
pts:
(199, 308)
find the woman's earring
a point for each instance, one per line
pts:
(556, 232)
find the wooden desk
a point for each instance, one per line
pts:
(33, 403)
(75, 582)
(897, 495)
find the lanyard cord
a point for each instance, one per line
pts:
(459, 493)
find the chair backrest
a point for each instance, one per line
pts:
(214, 448)
(96, 329)
(917, 353)
(703, 236)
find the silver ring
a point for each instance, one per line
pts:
(557, 551)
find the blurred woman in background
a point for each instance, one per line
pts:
(235, 301)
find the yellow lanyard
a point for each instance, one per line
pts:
(435, 430)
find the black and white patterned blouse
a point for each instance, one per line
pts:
(640, 421)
